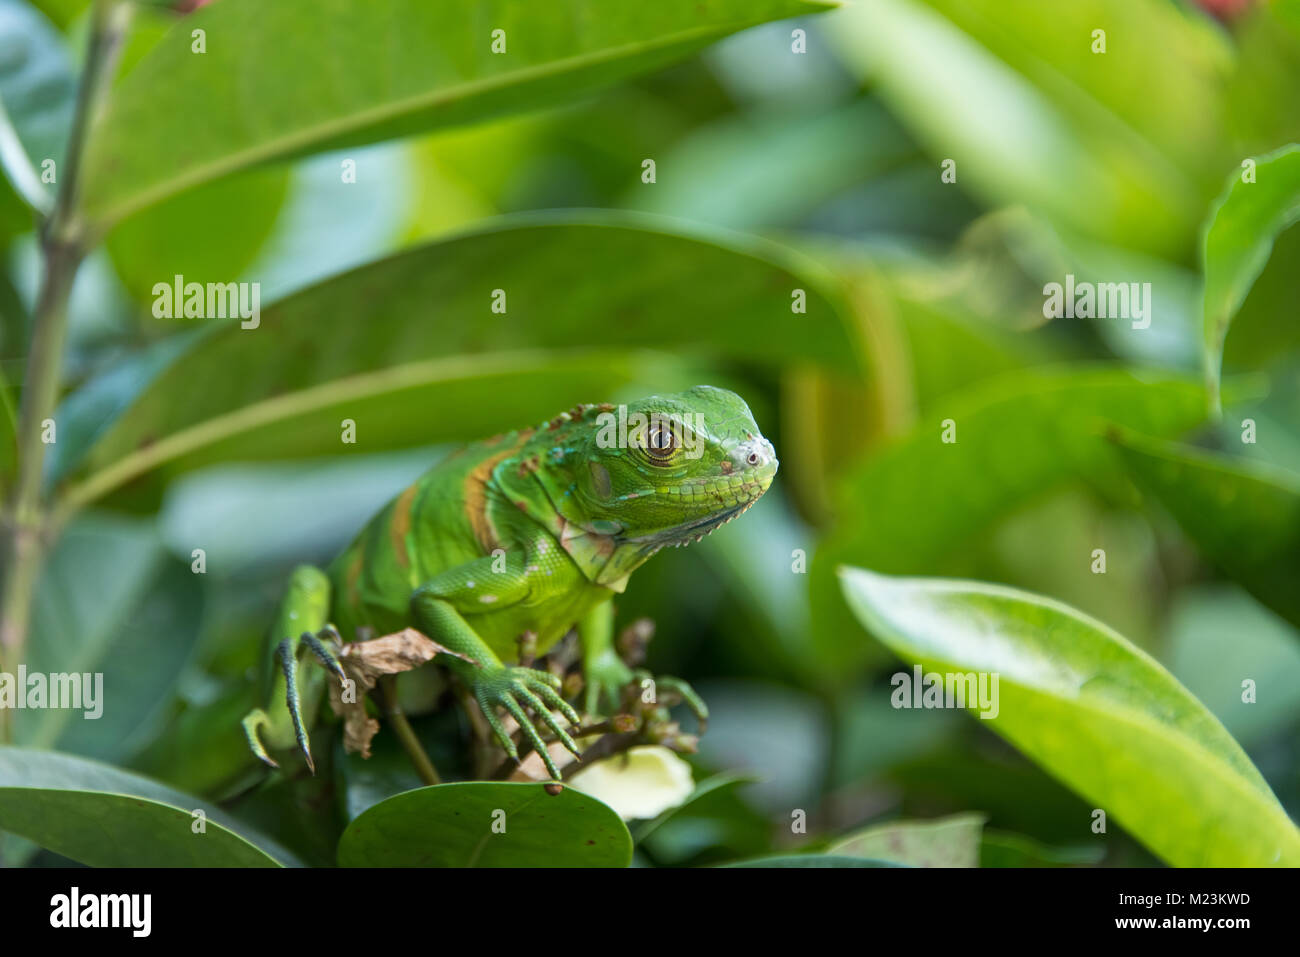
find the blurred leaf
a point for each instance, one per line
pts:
(761, 169)
(872, 736)
(98, 815)
(203, 749)
(276, 514)
(109, 604)
(756, 559)
(1017, 437)
(364, 782)
(972, 768)
(299, 810)
(1236, 242)
(162, 242)
(327, 226)
(97, 576)
(1047, 547)
(37, 90)
(1094, 710)
(1177, 122)
(1264, 89)
(777, 734)
(170, 124)
(486, 824)
(1243, 515)
(1018, 129)
(1218, 638)
(944, 842)
(141, 668)
(1003, 849)
(715, 824)
(384, 340)
(717, 782)
(810, 860)
(62, 12)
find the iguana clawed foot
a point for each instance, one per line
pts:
(514, 687)
(604, 676)
(651, 687)
(258, 721)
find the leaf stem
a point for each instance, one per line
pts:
(62, 250)
(405, 733)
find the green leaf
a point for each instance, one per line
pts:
(37, 90)
(162, 242)
(1017, 437)
(945, 842)
(989, 91)
(268, 84)
(1004, 849)
(1236, 242)
(1243, 515)
(486, 824)
(386, 344)
(1092, 709)
(98, 815)
(810, 860)
(1262, 648)
(727, 780)
(107, 604)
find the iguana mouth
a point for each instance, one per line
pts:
(685, 534)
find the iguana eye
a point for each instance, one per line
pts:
(661, 443)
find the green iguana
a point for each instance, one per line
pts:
(531, 531)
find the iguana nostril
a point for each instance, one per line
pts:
(753, 458)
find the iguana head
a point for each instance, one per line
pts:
(625, 481)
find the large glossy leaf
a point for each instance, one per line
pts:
(1094, 710)
(946, 842)
(1244, 515)
(98, 815)
(1237, 240)
(486, 824)
(384, 344)
(163, 241)
(269, 86)
(1017, 437)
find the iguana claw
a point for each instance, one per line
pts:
(257, 723)
(688, 694)
(507, 687)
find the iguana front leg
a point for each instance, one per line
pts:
(437, 608)
(302, 622)
(604, 674)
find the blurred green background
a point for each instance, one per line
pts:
(773, 170)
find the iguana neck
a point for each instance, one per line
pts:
(536, 480)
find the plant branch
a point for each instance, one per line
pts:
(396, 718)
(61, 245)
